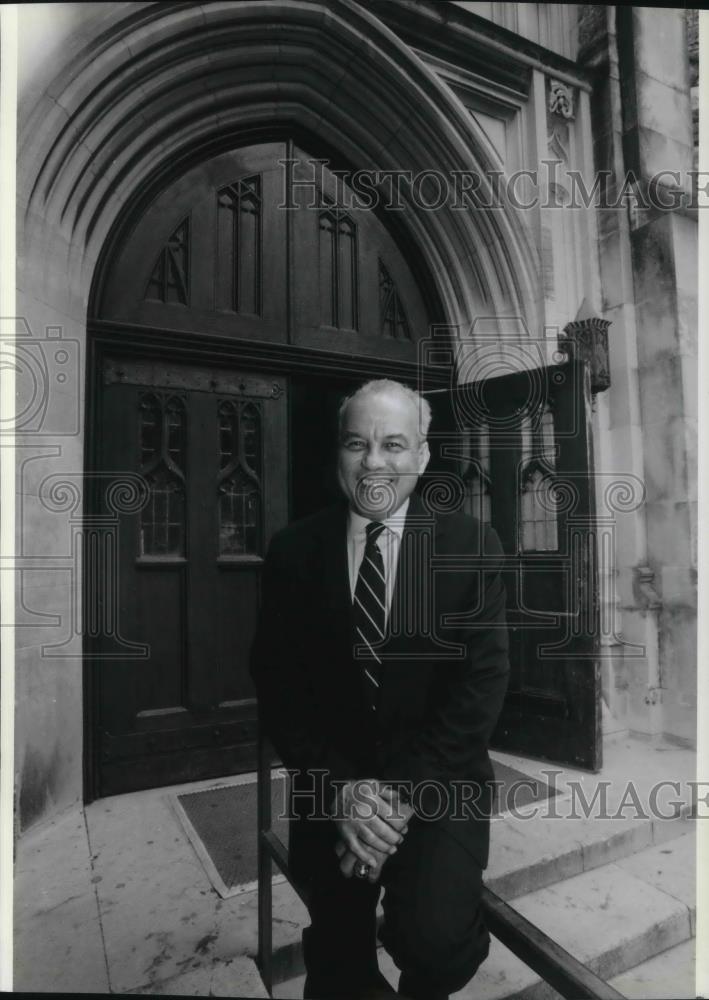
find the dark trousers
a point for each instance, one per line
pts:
(433, 927)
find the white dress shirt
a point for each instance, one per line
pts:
(389, 543)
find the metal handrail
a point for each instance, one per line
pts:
(556, 966)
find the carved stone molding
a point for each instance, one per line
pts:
(587, 340)
(561, 100)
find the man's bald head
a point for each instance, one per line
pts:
(389, 387)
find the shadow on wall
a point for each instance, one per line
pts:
(38, 779)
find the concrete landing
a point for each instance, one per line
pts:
(114, 899)
(58, 937)
(229, 977)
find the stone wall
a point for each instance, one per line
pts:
(552, 25)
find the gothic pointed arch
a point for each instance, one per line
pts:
(119, 126)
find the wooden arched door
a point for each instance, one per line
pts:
(225, 328)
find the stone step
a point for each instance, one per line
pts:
(531, 853)
(525, 857)
(612, 919)
(668, 976)
(539, 846)
(615, 918)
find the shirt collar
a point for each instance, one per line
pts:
(395, 523)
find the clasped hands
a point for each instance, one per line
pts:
(371, 820)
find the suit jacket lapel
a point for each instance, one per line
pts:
(409, 588)
(334, 565)
(413, 608)
(337, 602)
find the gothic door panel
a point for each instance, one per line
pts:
(209, 447)
(522, 447)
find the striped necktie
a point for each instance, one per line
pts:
(370, 610)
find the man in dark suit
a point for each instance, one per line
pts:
(380, 662)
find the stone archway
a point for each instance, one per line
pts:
(153, 88)
(141, 93)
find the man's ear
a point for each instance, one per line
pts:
(424, 457)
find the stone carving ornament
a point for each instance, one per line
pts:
(561, 100)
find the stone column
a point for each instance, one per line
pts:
(658, 144)
(647, 242)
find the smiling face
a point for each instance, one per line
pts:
(380, 454)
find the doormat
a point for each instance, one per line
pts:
(221, 823)
(516, 790)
